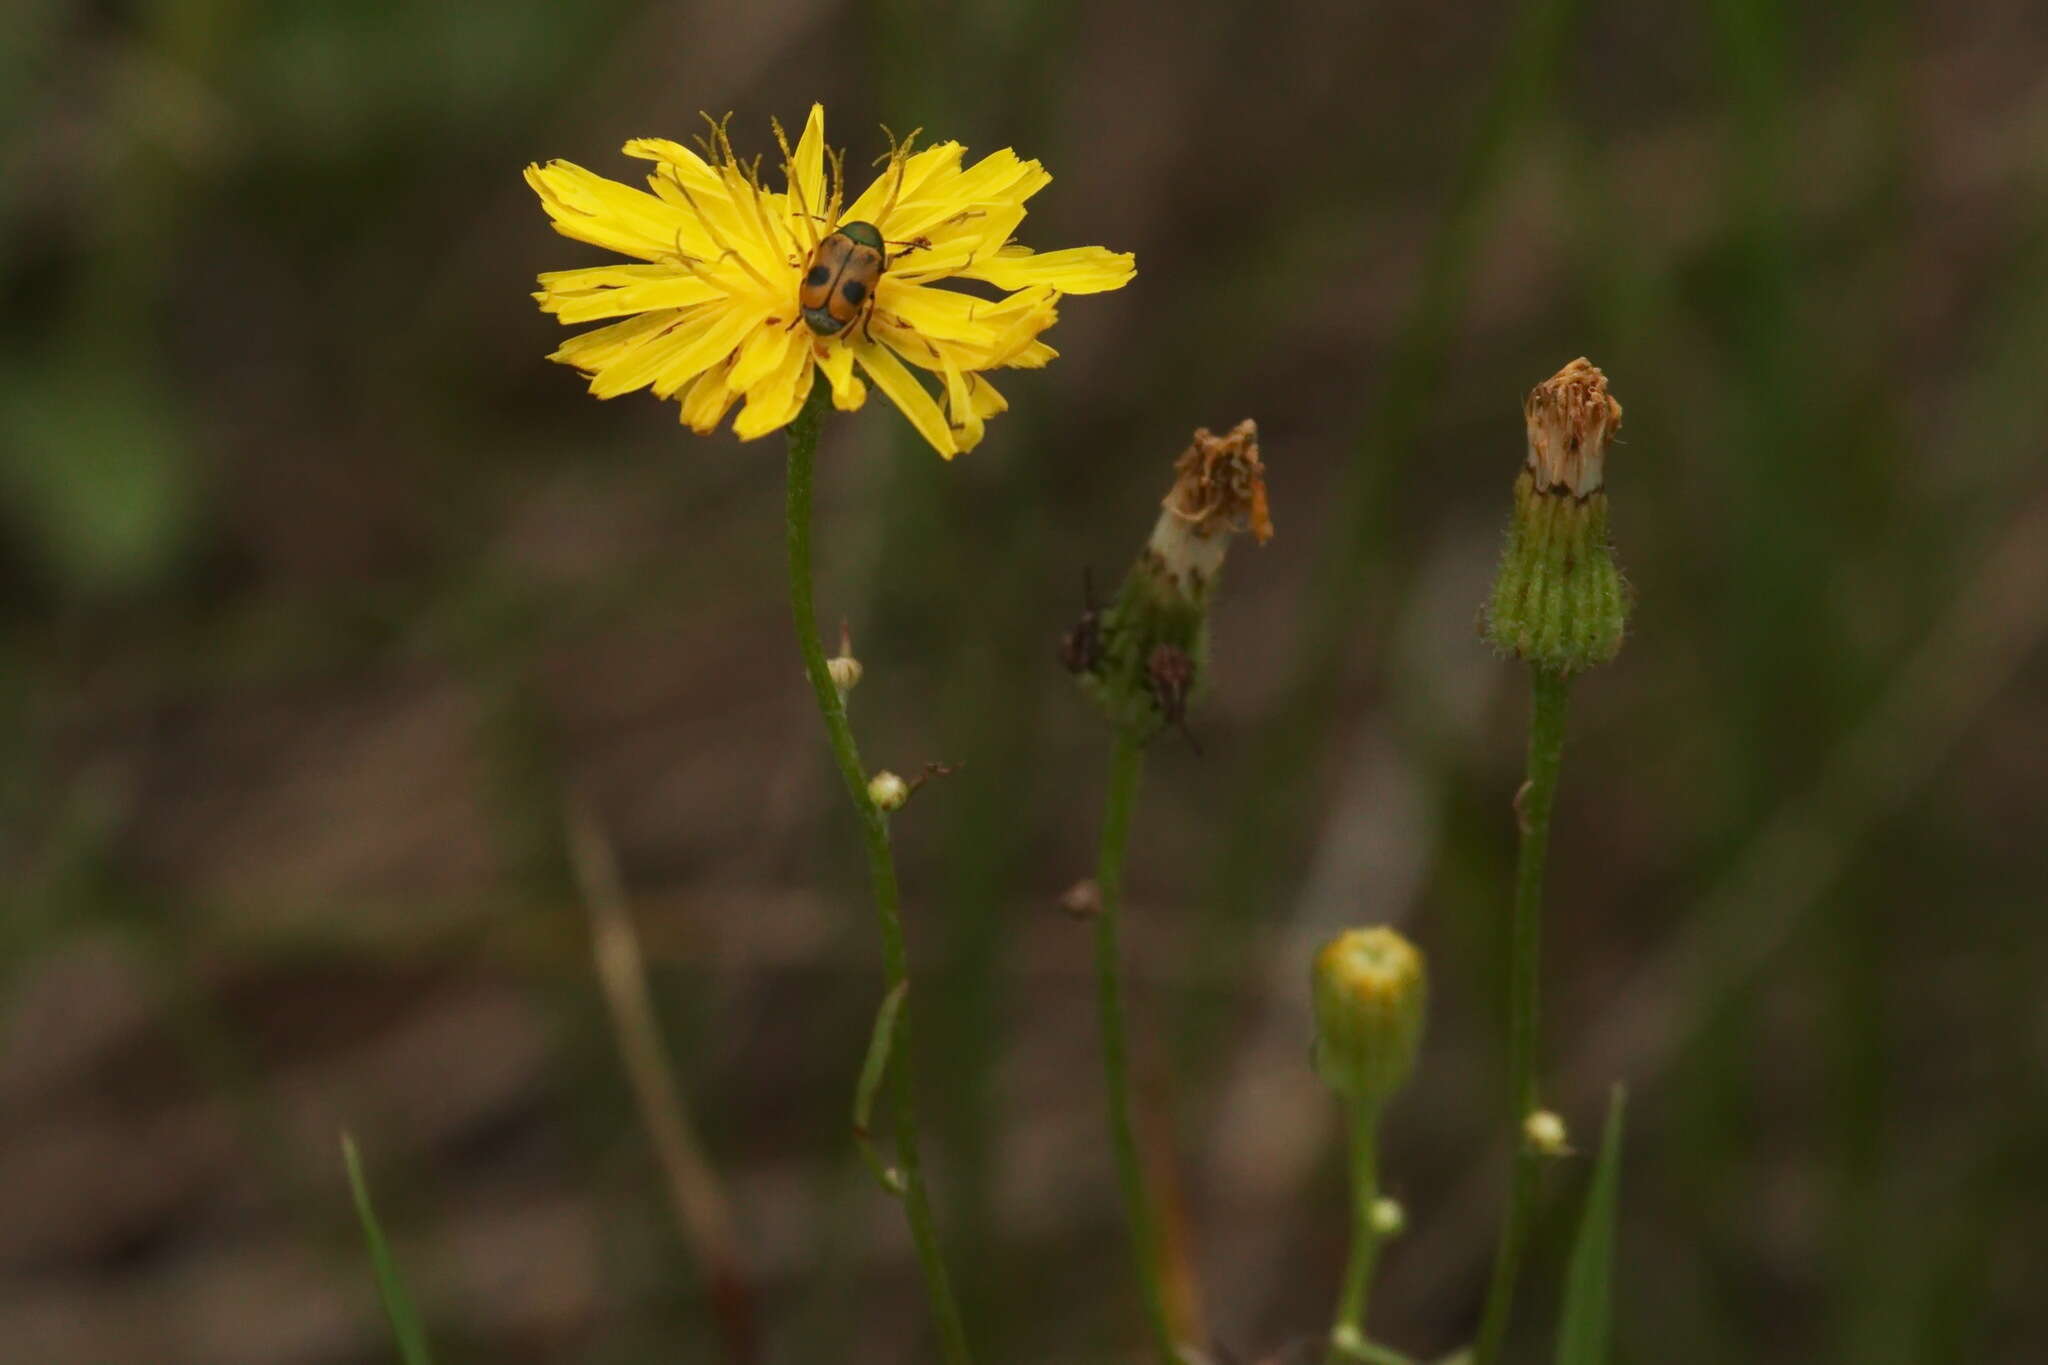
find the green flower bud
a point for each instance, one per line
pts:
(1559, 602)
(1143, 656)
(1369, 989)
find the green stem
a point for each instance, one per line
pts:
(1364, 1122)
(874, 824)
(1532, 809)
(1126, 763)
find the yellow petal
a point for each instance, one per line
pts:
(961, 416)
(610, 292)
(931, 326)
(774, 402)
(807, 167)
(1035, 356)
(726, 225)
(1076, 270)
(673, 356)
(988, 401)
(906, 393)
(592, 350)
(728, 326)
(589, 208)
(901, 180)
(761, 354)
(704, 406)
(999, 180)
(848, 393)
(954, 315)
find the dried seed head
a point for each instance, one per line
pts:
(1570, 417)
(1369, 991)
(1559, 601)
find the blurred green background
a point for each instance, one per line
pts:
(325, 596)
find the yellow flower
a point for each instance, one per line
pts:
(712, 316)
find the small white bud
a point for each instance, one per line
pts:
(1545, 1132)
(1388, 1217)
(888, 791)
(845, 671)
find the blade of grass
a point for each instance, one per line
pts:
(703, 1213)
(1586, 1320)
(398, 1306)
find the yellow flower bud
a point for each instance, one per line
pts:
(1388, 1217)
(1369, 989)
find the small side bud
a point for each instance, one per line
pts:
(1369, 988)
(844, 668)
(1144, 656)
(1389, 1219)
(888, 791)
(1082, 900)
(1544, 1131)
(1559, 601)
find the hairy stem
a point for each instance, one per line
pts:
(1126, 763)
(874, 825)
(1532, 810)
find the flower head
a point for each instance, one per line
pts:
(1368, 987)
(728, 302)
(1559, 601)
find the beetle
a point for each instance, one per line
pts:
(840, 283)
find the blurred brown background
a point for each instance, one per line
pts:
(325, 594)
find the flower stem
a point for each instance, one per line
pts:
(874, 824)
(1364, 1123)
(1126, 763)
(1532, 810)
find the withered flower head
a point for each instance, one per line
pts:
(1559, 601)
(1221, 484)
(1143, 657)
(1571, 416)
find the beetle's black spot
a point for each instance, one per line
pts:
(854, 291)
(819, 274)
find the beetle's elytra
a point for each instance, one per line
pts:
(840, 281)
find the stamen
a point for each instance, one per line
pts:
(835, 160)
(711, 228)
(899, 155)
